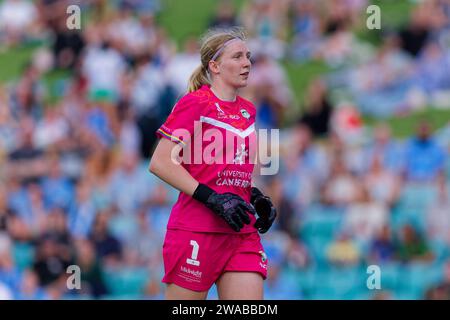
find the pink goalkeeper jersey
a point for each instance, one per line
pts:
(219, 148)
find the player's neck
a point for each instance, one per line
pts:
(224, 93)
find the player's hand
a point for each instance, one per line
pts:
(265, 210)
(230, 207)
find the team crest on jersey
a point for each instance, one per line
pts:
(245, 114)
(263, 256)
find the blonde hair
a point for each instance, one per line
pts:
(212, 44)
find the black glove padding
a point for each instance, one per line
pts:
(230, 207)
(265, 209)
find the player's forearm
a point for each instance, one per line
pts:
(172, 173)
(176, 176)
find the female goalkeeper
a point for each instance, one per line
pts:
(209, 141)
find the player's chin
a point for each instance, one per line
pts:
(242, 83)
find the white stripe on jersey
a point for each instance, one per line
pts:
(229, 127)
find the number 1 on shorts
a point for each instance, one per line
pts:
(193, 261)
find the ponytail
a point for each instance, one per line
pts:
(198, 78)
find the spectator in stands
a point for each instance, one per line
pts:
(5, 210)
(58, 190)
(26, 97)
(107, 247)
(440, 291)
(30, 288)
(127, 34)
(412, 246)
(386, 84)
(287, 218)
(343, 251)
(384, 148)
(181, 66)
(103, 66)
(17, 20)
(306, 26)
(416, 33)
(266, 22)
(337, 17)
(19, 201)
(382, 248)
(365, 217)
(273, 96)
(129, 172)
(342, 187)
(297, 255)
(10, 274)
(82, 213)
(38, 210)
(147, 100)
(18, 230)
(225, 16)
(431, 65)
(9, 129)
(318, 110)
(383, 186)
(99, 170)
(50, 263)
(27, 161)
(51, 129)
(304, 167)
(92, 283)
(337, 47)
(67, 46)
(5, 292)
(424, 157)
(147, 87)
(438, 213)
(143, 243)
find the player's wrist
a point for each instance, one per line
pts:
(202, 193)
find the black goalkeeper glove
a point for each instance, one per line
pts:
(265, 209)
(230, 207)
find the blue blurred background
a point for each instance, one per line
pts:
(365, 135)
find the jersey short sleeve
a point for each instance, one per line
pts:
(179, 126)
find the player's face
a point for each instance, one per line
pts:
(234, 64)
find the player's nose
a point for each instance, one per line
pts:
(247, 63)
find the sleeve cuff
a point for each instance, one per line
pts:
(164, 134)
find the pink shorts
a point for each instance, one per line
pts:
(196, 260)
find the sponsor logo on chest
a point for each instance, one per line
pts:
(222, 115)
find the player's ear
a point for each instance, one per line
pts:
(213, 66)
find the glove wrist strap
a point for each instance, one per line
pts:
(202, 193)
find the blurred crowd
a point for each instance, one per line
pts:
(74, 184)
